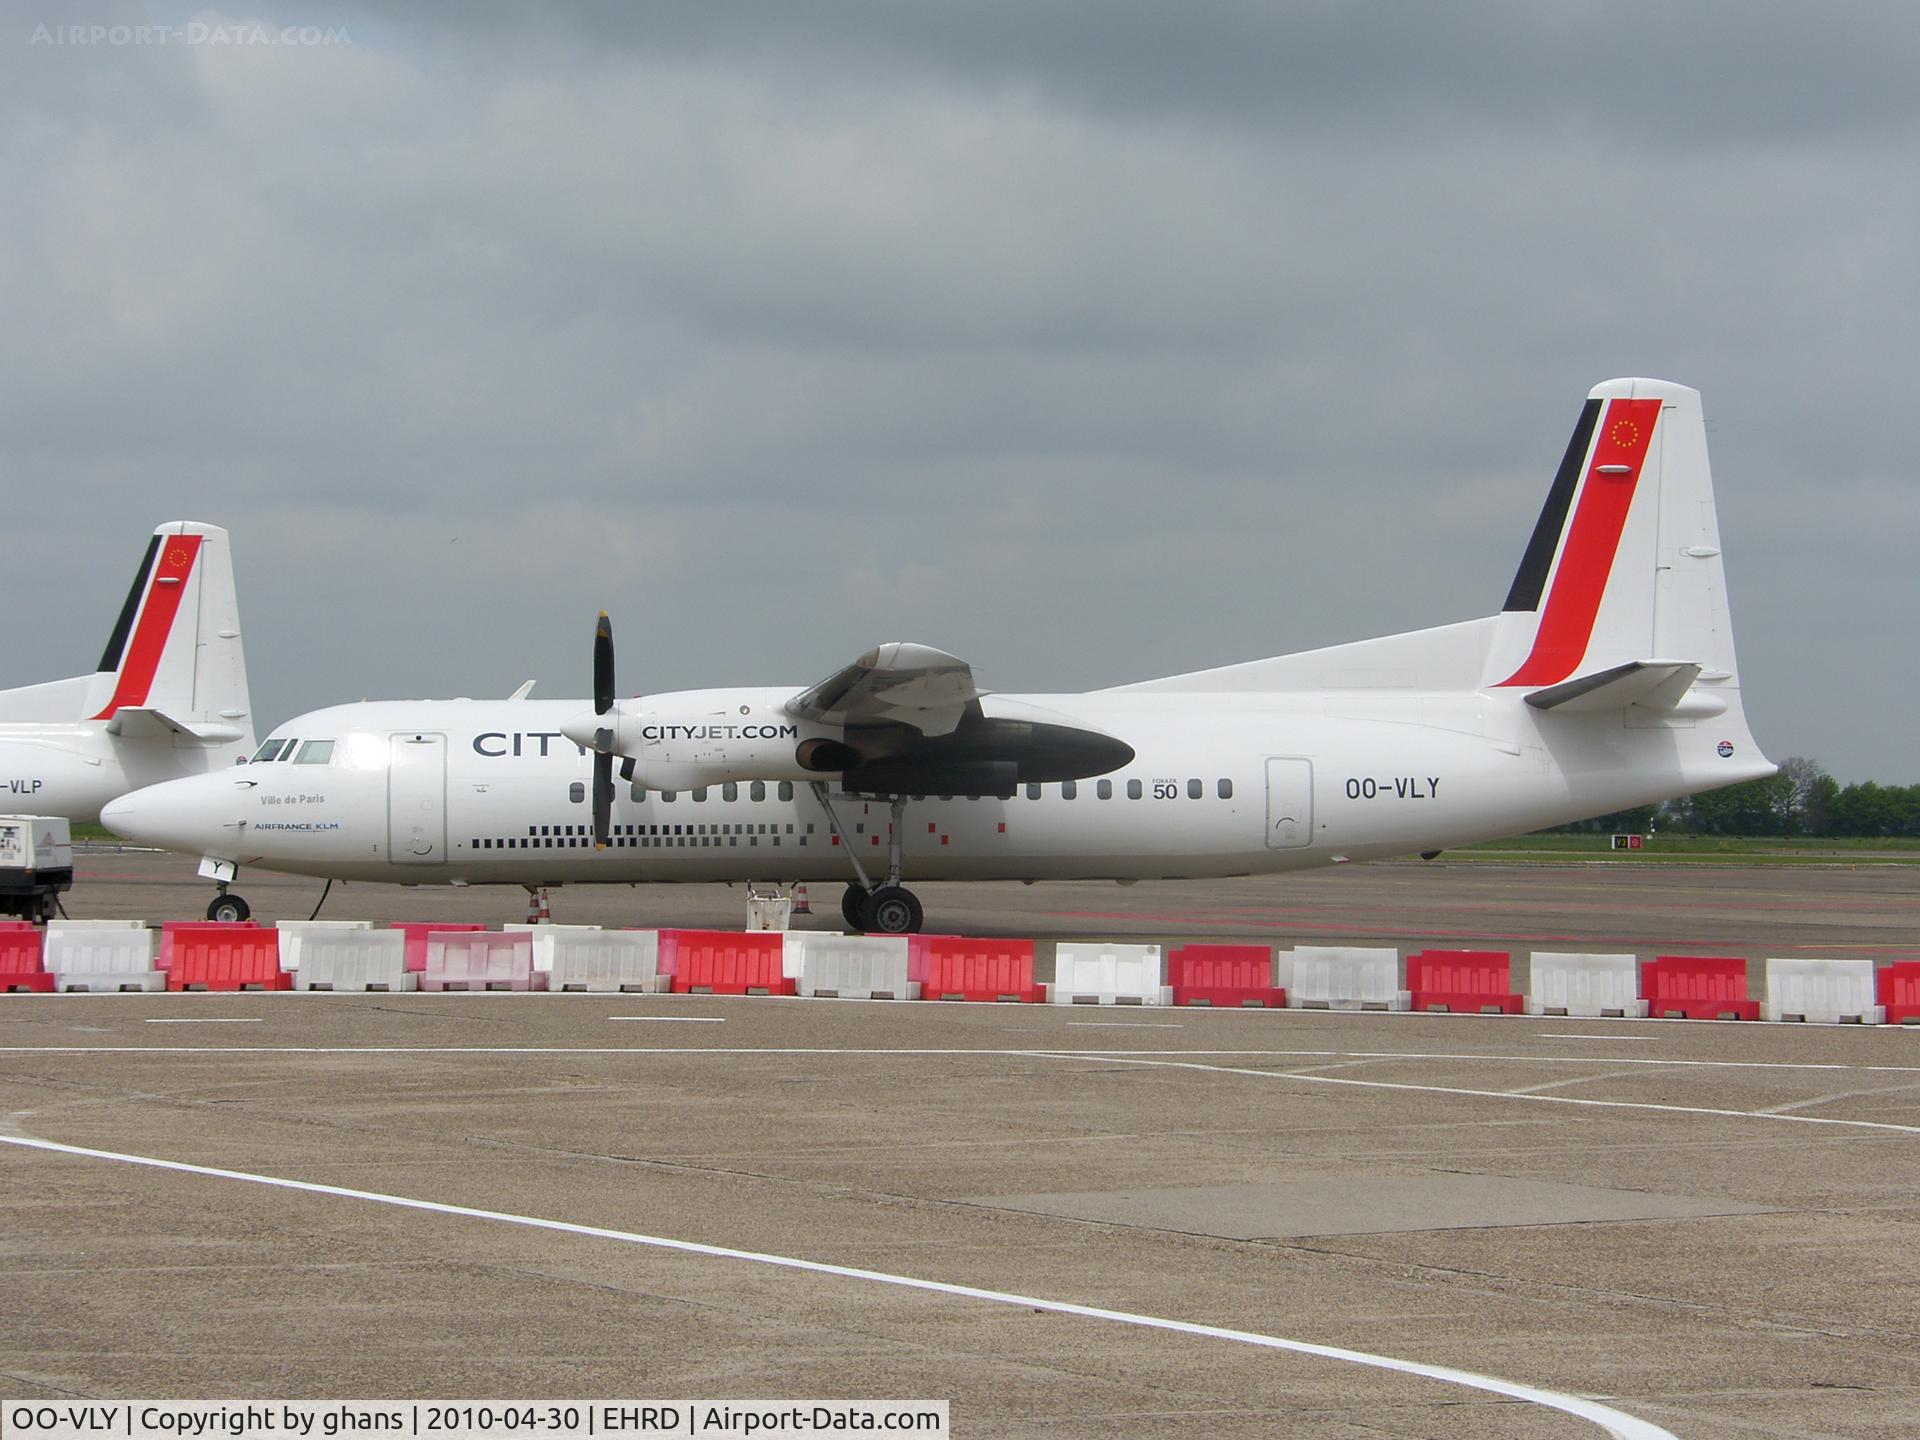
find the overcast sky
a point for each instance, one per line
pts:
(1089, 341)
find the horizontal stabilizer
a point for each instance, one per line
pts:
(1651, 684)
(145, 724)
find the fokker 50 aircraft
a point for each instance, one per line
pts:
(169, 698)
(1607, 680)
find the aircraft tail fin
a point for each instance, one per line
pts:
(173, 669)
(1623, 567)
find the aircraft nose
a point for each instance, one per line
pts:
(191, 814)
(120, 816)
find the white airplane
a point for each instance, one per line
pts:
(1607, 680)
(169, 698)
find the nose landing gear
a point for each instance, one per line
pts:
(888, 908)
(227, 906)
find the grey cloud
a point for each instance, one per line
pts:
(1085, 343)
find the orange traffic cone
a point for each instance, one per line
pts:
(800, 906)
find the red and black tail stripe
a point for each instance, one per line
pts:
(139, 657)
(1530, 581)
(1618, 454)
(117, 642)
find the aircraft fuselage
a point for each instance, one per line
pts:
(479, 792)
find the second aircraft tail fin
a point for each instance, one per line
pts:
(173, 668)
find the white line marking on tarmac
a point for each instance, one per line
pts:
(1572, 1080)
(208, 1020)
(1127, 1024)
(1840, 1095)
(1615, 1422)
(920, 1051)
(675, 1019)
(1482, 1094)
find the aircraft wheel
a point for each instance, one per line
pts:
(228, 907)
(853, 908)
(893, 910)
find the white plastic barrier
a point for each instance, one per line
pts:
(101, 955)
(851, 967)
(1098, 973)
(353, 960)
(1564, 983)
(293, 935)
(544, 933)
(607, 961)
(1827, 992)
(480, 960)
(1342, 977)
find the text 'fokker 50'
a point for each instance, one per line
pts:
(1607, 680)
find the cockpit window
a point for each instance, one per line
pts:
(270, 751)
(315, 752)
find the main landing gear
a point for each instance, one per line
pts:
(888, 908)
(884, 910)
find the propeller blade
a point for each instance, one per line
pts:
(603, 665)
(602, 798)
(627, 767)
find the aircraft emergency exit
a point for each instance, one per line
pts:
(1606, 680)
(169, 698)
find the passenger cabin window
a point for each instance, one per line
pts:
(786, 789)
(757, 790)
(1226, 789)
(1068, 789)
(1033, 792)
(1104, 789)
(639, 793)
(1195, 789)
(1133, 790)
(700, 793)
(729, 792)
(669, 795)
(270, 751)
(315, 752)
(577, 792)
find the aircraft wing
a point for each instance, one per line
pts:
(893, 684)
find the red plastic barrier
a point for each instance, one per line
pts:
(1223, 975)
(1697, 987)
(18, 925)
(417, 931)
(724, 962)
(167, 927)
(962, 969)
(226, 957)
(1463, 981)
(1900, 991)
(21, 966)
(917, 952)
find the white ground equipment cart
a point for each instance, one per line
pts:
(36, 864)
